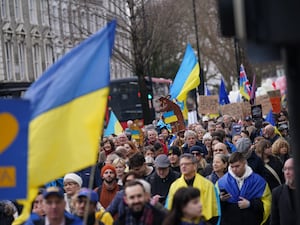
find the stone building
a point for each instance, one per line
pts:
(35, 33)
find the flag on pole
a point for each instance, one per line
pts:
(253, 90)
(223, 96)
(269, 118)
(113, 126)
(244, 84)
(68, 105)
(186, 79)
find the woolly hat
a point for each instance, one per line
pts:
(74, 177)
(197, 148)
(243, 145)
(107, 167)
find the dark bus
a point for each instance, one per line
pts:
(124, 97)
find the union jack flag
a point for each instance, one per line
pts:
(245, 88)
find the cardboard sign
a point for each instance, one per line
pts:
(274, 93)
(233, 109)
(208, 104)
(246, 107)
(264, 101)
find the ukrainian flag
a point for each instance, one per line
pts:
(113, 126)
(68, 105)
(186, 79)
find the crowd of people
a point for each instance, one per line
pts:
(217, 171)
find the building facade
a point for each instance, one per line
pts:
(35, 33)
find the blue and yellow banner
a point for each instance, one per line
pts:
(14, 119)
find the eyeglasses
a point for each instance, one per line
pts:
(196, 153)
(287, 169)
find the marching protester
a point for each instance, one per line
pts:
(283, 211)
(190, 178)
(138, 209)
(186, 208)
(54, 206)
(245, 196)
(72, 184)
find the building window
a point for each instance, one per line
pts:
(83, 24)
(21, 73)
(18, 11)
(36, 60)
(8, 51)
(55, 18)
(32, 11)
(75, 21)
(44, 12)
(5, 9)
(65, 15)
(49, 57)
(93, 22)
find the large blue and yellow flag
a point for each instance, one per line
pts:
(186, 79)
(68, 105)
(113, 126)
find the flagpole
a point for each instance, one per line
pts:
(201, 86)
(237, 58)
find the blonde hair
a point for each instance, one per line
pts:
(278, 144)
(119, 161)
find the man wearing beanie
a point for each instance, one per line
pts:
(203, 168)
(72, 184)
(243, 145)
(109, 187)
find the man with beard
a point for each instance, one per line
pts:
(283, 210)
(109, 187)
(138, 210)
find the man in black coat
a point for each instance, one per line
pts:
(283, 210)
(138, 210)
(162, 178)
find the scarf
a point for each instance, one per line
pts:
(145, 219)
